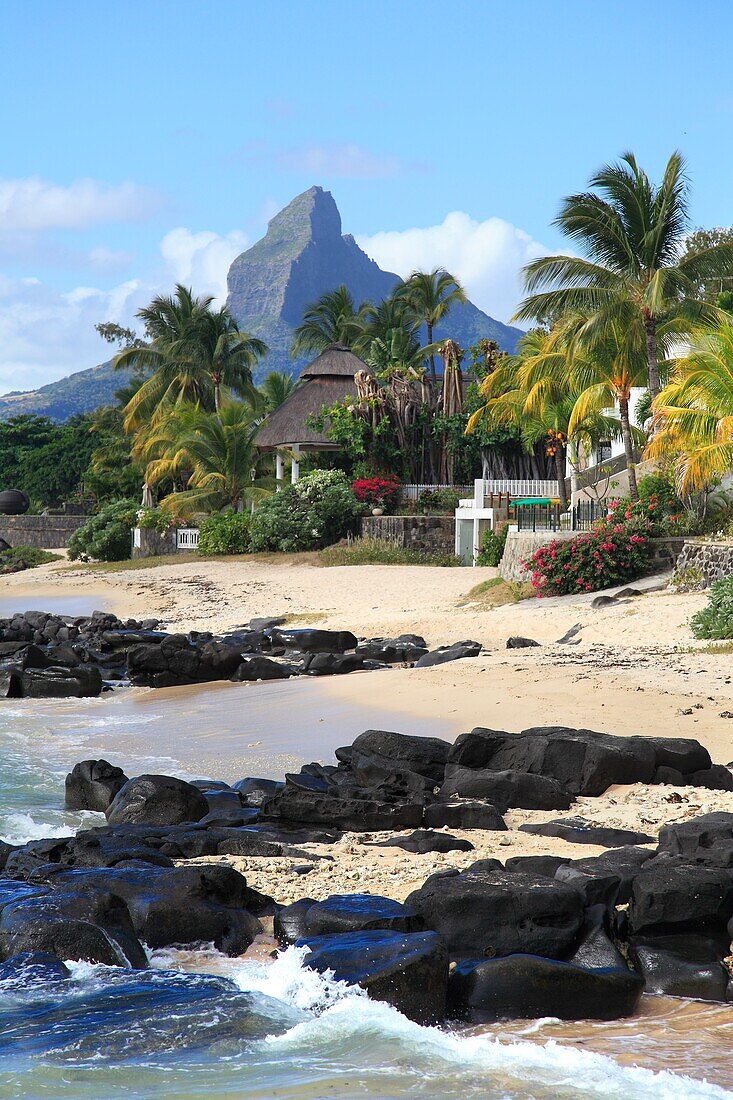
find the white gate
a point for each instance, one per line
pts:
(187, 538)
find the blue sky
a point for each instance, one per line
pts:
(144, 142)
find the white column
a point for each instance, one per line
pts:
(295, 464)
(279, 470)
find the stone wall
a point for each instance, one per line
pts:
(153, 544)
(427, 533)
(43, 532)
(701, 563)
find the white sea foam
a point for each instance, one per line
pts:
(341, 1022)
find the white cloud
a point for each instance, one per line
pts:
(45, 335)
(201, 260)
(35, 205)
(348, 161)
(487, 257)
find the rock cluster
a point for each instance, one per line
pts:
(537, 936)
(48, 656)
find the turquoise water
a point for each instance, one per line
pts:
(55, 605)
(198, 1024)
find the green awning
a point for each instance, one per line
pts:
(532, 500)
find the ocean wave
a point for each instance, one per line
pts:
(342, 1025)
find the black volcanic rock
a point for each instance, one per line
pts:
(524, 986)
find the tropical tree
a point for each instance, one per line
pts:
(192, 351)
(693, 415)
(601, 368)
(632, 233)
(378, 321)
(534, 393)
(333, 319)
(216, 451)
(431, 295)
(276, 388)
(226, 354)
(399, 351)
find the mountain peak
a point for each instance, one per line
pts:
(304, 255)
(312, 214)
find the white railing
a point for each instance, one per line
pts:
(521, 487)
(187, 538)
(414, 492)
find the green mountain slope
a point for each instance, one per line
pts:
(80, 392)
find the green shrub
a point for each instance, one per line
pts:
(367, 551)
(318, 511)
(225, 533)
(716, 618)
(492, 547)
(154, 519)
(24, 557)
(659, 490)
(440, 500)
(106, 536)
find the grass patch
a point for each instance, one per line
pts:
(710, 647)
(496, 592)
(366, 551)
(308, 558)
(18, 558)
(305, 618)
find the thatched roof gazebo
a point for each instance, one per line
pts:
(327, 380)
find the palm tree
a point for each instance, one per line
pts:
(431, 296)
(602, 368)
(633, 234)
(331, 320)
(379, 321)
(534, 392)
(227, 354)
(693, 415)
(276, 388)
(399, 351)
(192, 350)
(217, 449)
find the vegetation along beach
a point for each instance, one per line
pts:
(366, 553)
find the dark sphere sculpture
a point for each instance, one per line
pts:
(13, 502)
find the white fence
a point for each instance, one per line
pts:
(521, 488)
(414, 492)
(515, 487)
(187, 538)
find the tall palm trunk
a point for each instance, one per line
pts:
(650, 328)
(623, 406)
(216, 378)
(433, 375)
(560, 472)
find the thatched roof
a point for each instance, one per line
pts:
(335, 362)
(328, 379)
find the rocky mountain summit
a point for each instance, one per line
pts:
(304, 255)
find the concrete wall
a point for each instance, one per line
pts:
(43, 532)
(520, 545)
(428, 533)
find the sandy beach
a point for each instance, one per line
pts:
(636, 669)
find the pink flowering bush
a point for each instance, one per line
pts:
(618, 549)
